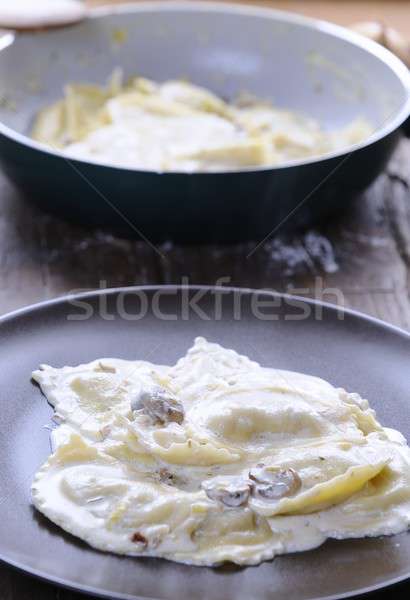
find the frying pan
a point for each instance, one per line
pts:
(305, 65)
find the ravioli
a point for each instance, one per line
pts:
(179, 126)
(215, 459)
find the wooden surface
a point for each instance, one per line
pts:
(362, 260)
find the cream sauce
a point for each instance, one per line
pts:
(163, 461)
(177, 126)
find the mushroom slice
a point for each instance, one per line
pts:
(231, 492)
(138, 538)
(273, 483)
(160, 404)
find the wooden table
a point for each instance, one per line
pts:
(361, 261)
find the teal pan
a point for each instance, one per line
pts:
(226, 48)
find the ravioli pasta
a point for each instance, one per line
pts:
(178, 126)
(215, 459)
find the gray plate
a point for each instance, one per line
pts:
(157, 324)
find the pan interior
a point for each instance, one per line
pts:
(293, 63)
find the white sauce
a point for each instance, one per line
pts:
(177, 126)
(130, 482)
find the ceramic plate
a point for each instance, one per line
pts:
(159, 324)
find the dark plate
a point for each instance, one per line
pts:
(157, 324)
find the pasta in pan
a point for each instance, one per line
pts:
(178, 126)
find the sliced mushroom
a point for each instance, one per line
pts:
(160, 404)
(229, 491)
(273, 483)
(138, 538)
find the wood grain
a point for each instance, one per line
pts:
(42, 257)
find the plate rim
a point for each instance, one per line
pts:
(33, 308)
(91, 293)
